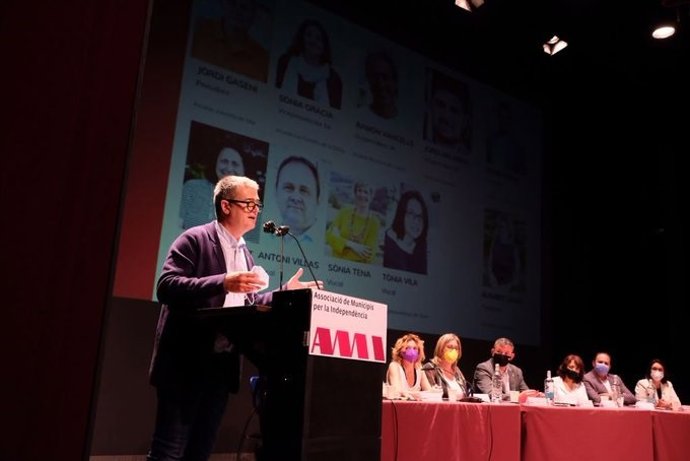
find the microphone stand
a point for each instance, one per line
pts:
(271, 228)
(282, 257)
(306, 261)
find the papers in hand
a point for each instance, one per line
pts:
(258, 270)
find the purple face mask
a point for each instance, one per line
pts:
(601, 369)
(410, 355)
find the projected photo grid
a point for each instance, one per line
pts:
(404, 182)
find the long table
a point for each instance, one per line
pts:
(413, 431)
(575, 434)
(671, 432)
(417, 431)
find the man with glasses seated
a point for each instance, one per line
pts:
(195, 369)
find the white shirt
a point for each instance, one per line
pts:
(563, 394)
(235, 260)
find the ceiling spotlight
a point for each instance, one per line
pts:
(663, 31)
(667, 18)
(666, 24)
(469, 5)
(554, 45)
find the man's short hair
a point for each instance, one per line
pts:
(226, 189)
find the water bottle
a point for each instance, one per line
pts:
(617, 392)
(496, 385)
(548, 388)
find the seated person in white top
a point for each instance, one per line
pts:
(598, 381)
(405, 373)
(656, 388)
(567, 386)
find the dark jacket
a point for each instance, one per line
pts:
(192, 278)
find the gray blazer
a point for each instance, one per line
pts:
(595, 387)
(484, 372)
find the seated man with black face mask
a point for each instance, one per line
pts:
(502, 353)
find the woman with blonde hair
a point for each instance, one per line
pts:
(443, 370)
(405, 373)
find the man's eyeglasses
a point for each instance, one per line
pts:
(249, 205)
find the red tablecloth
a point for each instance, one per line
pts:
(419, 431)
(671, 435)
(592, 434)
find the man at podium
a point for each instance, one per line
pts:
(194, 368)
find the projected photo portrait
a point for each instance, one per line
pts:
(379, 86)
(357, 212)
(235, 37)
(298, 196)
(448, 117)
(212, 154)
(504, 251)
(306, 68)
(405, 246)
(503, 149)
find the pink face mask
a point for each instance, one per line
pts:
(410, 355)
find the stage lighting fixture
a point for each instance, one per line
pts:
(667, 19)
(665, 23)
(469, 5)
(554, 45)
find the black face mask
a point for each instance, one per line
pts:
(500, 359)
(572, 374)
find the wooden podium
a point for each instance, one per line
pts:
(314, 408)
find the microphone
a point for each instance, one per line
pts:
(281, 231)
(271, 228)
(470, 398)
(470, 388)
(431, 366)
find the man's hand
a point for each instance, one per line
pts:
(242, 282)
(295, 284)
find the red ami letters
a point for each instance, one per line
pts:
(326, 342)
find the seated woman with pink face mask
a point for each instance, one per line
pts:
(405, 374)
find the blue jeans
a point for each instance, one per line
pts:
(187, 423)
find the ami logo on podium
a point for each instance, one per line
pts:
(357, 346)
(346, 327)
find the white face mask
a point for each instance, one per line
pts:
(657, 375)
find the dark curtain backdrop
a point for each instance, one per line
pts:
(69, 78)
